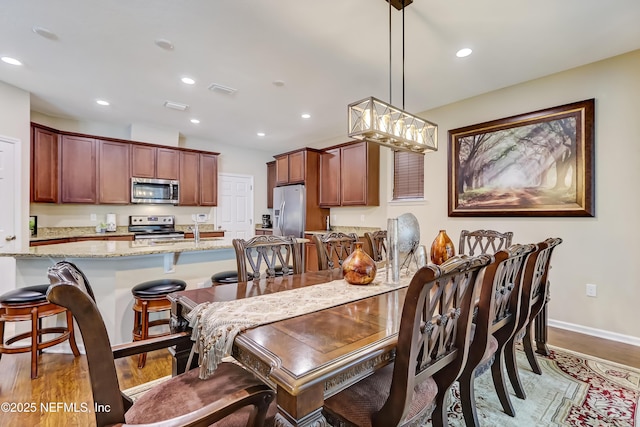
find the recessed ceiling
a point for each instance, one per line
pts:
(330, 53)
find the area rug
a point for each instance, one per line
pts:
(573, 390)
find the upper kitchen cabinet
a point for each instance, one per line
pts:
(198, 179)
(208, 179)
(296, 167)
(271, 182)
(44, 165)
(114, 184)
(154, 162)
(350, 175)
(78, 169)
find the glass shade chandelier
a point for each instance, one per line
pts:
(376, 121)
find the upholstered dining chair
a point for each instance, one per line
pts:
(333, 248)
(231, 397)
(494, 325)
(432, 347)
(483, 241)
(535, 291)
(378, 244)
(267, 255)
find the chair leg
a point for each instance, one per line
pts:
(1, 335)
(40, 328)
(528, 350)
(468, 399)
(72, 335)
(144, 332)
(439, 415)
(499, 383)
(34, 342)
(512, 368)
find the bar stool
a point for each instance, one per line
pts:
(151, 297)
(30, 303)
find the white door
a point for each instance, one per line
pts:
(235, 205)
(8, 192)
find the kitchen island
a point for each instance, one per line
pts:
(114, 267)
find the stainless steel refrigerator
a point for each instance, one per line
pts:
(289, 204)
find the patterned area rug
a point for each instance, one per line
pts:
(573, 390)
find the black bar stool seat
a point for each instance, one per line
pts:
(224, 277)
(151, 297)
(30, 303)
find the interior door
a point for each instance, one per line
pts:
(235, 206)
(8, 203)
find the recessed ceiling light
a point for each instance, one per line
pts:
(195, 121)
(164, 44)
(45, 33)
(10, 60)
(102, 102)
(261, 134)
(305, 115)
(188, 80)
(463, 52)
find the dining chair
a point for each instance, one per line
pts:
(333, 248)
(433, 341)
(483, 241)
(495, 321)
(377, 244)
(267, 255)
(231, 397)
(535, 292)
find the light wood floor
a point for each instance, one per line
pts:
(63, 378)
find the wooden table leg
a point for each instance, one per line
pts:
(298, 411)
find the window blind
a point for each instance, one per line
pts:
(408, 175)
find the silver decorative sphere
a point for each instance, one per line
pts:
(408, 233)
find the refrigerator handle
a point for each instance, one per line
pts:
(282, 216)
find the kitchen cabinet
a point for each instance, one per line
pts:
(189, 173)
(264, 232)
(125, 238)
(310, 254)
(208, 179)
(350, 175)
(205, 234)
(114, 183)
(78, 169)
(296, 166)
(148, 161)
(271, 182)
(44, 165)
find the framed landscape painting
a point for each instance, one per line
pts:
(535, 164)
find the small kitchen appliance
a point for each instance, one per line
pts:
(111, 222)
(154, 227)
(266, 221)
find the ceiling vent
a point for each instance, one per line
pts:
(215, 87)
(175, 105)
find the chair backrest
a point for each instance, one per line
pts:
(434, 331)
(535, 283)
(71, 289)
(266, 254)
(483, 241)
(378, 244)
(333, 246)
(498, 305)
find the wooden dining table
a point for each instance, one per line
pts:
(308, 358)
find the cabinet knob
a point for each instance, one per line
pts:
(10, 238)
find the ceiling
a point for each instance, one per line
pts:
(327, 53)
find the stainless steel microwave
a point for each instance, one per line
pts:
(155, 191)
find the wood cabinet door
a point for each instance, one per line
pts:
(353, 184)
(310, 255)
(208, 179)
(330, 178)
(189, 177)
(143, 161)
(271, 182)
(44, 166)
(167, 163)
(297, 163)
(282, 170)
(114, 181)
(78, 169)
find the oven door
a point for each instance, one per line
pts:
(154, 191)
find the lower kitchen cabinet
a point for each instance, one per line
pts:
(262, 232)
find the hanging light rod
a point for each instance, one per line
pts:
(376, 121)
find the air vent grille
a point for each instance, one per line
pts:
(175, 105)
(215, 87)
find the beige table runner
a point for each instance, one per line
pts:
(216, 324)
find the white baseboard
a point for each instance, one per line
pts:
(613, 336)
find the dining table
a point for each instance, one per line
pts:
(306, 358)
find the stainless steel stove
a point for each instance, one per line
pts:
(154, 227)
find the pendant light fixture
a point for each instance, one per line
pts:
(376, 121)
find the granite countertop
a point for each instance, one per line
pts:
(112, 248)
(49, 233)
(345, 229)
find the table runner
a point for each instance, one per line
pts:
(216, 324)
